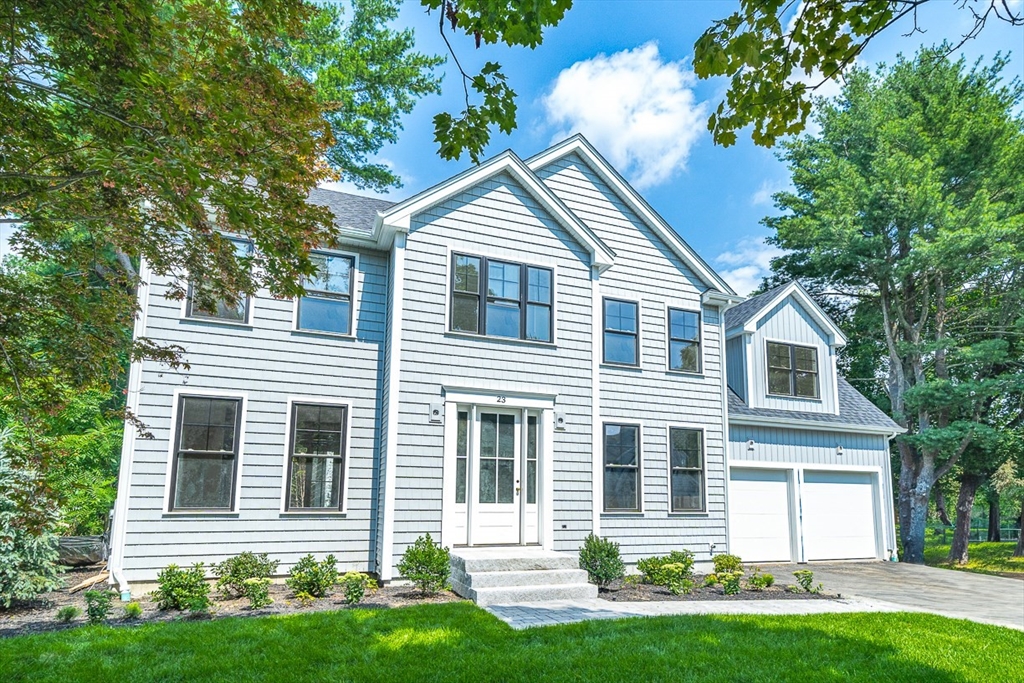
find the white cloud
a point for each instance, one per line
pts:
(746, 263)
(637, 109)
(763, 195)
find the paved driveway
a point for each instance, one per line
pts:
(978, 597)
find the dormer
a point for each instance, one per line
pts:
(781, 352)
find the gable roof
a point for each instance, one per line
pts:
(856, 413)
(744, 317)
(352, 212)
(581, 146)
(398, 217)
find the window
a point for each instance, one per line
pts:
(462, 457)
(327, 305)
(316, 457)
(621, 468)
(205, 453)
(497, 457)
(501, 299)
(620, 332)
(792, 370)
(683, 340)
(686, 465)
(531, 459)
(223, 309)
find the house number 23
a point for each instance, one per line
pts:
(501, 399)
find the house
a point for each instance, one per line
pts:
(520, 355)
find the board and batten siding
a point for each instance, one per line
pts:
(735, 363)
(499, 219)
(268, 363)
(788, 322)
(648, 271)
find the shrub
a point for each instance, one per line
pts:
(132, 611)
(711, 580)
(652, 568)
(182, 589)
(257, 591)
(426, 564)
(315, 579)
(234, 571)
(805, 577)
(792, 589)
(632, 580)
(97, 605)
(601, 560)
(677, 577)
(727, 563)
(68, 613)
(355, 585)
(758, 581)
(730, 582)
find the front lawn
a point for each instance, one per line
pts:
(984, 558)
(459, 642)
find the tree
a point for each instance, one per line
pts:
(1009, 482)
(911, 202)
(775, 65)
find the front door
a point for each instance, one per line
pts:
(496, 478)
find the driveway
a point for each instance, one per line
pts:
(962, 595)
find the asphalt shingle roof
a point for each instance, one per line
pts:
(854, 409)
(741, 313)
(351, 211)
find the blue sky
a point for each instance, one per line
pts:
(620, 72)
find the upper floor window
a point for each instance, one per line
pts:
(316, 458)
(223, 309)
(792, 370)
(205, 464)
(621, 332)
(683, 340)
(501, 299)
(327, 305)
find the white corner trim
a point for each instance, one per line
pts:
(723, 372)
(596, 430)
(346, 455)
(387, 548)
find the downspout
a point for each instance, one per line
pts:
(891, 531)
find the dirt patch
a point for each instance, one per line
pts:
(647, 593)
(40, 615)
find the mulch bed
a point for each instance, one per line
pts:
(647, 593)
(40, 615)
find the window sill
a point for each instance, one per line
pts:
(620, 366)
(318, 333)
(200, 513)
(504, 340)
(313, 513)
(614, 514)
(214, 321)
(686, 373)
(695, 513)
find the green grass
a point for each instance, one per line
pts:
(983, 558)
(458, 642)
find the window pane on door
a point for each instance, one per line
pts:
(488, 435)
(531, 459)
(488, 475)
(506, 481)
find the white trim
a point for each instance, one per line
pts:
(596, 431)
(448, 505)
(668, 308)
(354, 299)
(180, 391)
(784, 422)
(346, 455)
(387, 548)
(814, 467)
(724, 379)
(641, 488)
(833, 355)
(794, 289)
(578, 144)
(546, 494)
(693, 426)
(499, 397)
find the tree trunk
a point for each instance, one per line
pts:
(916, 482)
(940, 506)
(1018, 551)
(969, 484)
(994, 535)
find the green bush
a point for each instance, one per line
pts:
(355, 586)
(233, 572)
(792, 589)
(711, 580)
(97, 605)
(805, 577)
(758, 581)
(132, 611)
(727, 563)
(677, 577)
(427, 565)
(730, 582)
(68, 613)
(257, 591)
(652, 568)
(632, 580)
(312, 578)
(182, 589)
(600, 558)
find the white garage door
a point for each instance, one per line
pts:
(759, 515)
(838, 513)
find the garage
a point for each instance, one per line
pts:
(759, 515)
(838, 516)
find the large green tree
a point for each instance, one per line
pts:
(910, 202)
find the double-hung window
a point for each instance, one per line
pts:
(327, 304)
(792, 370)
(621, 468)
(498, 298)
(683, 340)
(621, 332)
(316, 456)
(686, 465)
(205, 465)
(199, 305)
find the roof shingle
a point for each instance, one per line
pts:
(352, 212)
(854, 410)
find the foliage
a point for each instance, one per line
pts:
(256, 589)
(97, 605)
(600, 558)
(233, 572)
(28, 545)
(632, 580)
(315, 579)
(355, 585)
(711, 580)
(132, 611)
(727, 563)
(730, 581)
(790, 588)
(653, 568)
(758, 581)
(68, 613)
(986, 558)
(805, 577)
(182, 589)
(909, 204)
(776, 64)
(426, 564)
(678, 578)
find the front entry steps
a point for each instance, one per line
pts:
(514, 574)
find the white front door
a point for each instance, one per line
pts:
(496, 478)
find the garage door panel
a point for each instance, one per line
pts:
(838, 515)
(759, 524)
